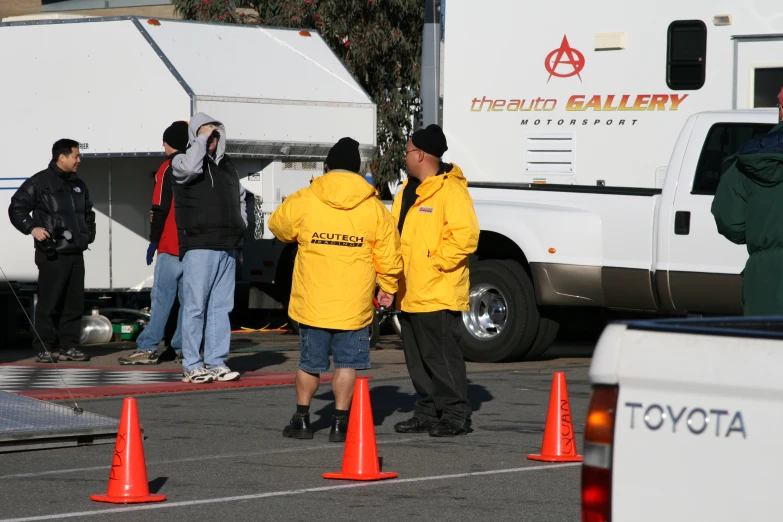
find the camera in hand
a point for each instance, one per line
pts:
(50, 246)
(213, 140)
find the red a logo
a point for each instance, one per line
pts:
(559, 61)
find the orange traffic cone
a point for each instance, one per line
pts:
(360, 456)
(559, 444)
(128, 475)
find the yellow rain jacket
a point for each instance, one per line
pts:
(440, 232)
(346, 238)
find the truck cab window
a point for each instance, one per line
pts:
(717, 155)
(766, 85)
(686, 55)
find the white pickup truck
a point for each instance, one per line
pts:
(647, 250)
(682, 422)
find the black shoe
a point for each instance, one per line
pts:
(299, 427)
(72, 354)
(339, 429)
(446, 428)
(46, 357)
(413, 425)
(179, 358)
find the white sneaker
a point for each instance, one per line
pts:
(199, 375)
(223, 374)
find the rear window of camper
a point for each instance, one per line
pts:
(686, 55)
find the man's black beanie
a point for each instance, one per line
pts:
(177, 135)
(431, 140)
(344, 155)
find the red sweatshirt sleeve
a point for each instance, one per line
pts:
(161, 202)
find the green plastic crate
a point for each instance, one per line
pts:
(127, 332)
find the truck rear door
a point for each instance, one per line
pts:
(700, 269)
(696, 431)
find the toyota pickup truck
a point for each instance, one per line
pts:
(545, 246)
(683, 421)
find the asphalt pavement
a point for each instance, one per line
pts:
(220, 454)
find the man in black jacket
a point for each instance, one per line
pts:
(63, 225)
(209, 205)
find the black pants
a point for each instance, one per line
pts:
(436, 366)
(58, 316)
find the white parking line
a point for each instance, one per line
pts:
(198, 459)
(290, 492)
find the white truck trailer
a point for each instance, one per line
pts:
(595, 93)
(593, 138)
(114, 85)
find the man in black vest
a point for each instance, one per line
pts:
(63, 225)
(209, 205)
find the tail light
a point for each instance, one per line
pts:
(597, 465)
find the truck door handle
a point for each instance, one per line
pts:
(682, 223)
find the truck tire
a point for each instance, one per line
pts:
(547, 333)
(499, 297)
(547, 327)
(375, 330)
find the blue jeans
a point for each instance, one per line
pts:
(167, 283)
(208, 297)
(350, 348)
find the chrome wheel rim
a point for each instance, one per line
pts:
(488, 312)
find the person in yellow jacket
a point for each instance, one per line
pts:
(347, 240)
(439, 231)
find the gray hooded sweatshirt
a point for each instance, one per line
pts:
(190, 165)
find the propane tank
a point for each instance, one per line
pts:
(96, 329)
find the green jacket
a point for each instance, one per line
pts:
(748, 210)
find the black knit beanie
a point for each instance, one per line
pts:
(344, 155)
(177, 135)
(431, 140)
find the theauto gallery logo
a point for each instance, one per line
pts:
(565, 62)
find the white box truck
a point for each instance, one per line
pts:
(114, 85)
(593, 136)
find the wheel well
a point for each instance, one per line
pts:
(497, 246)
